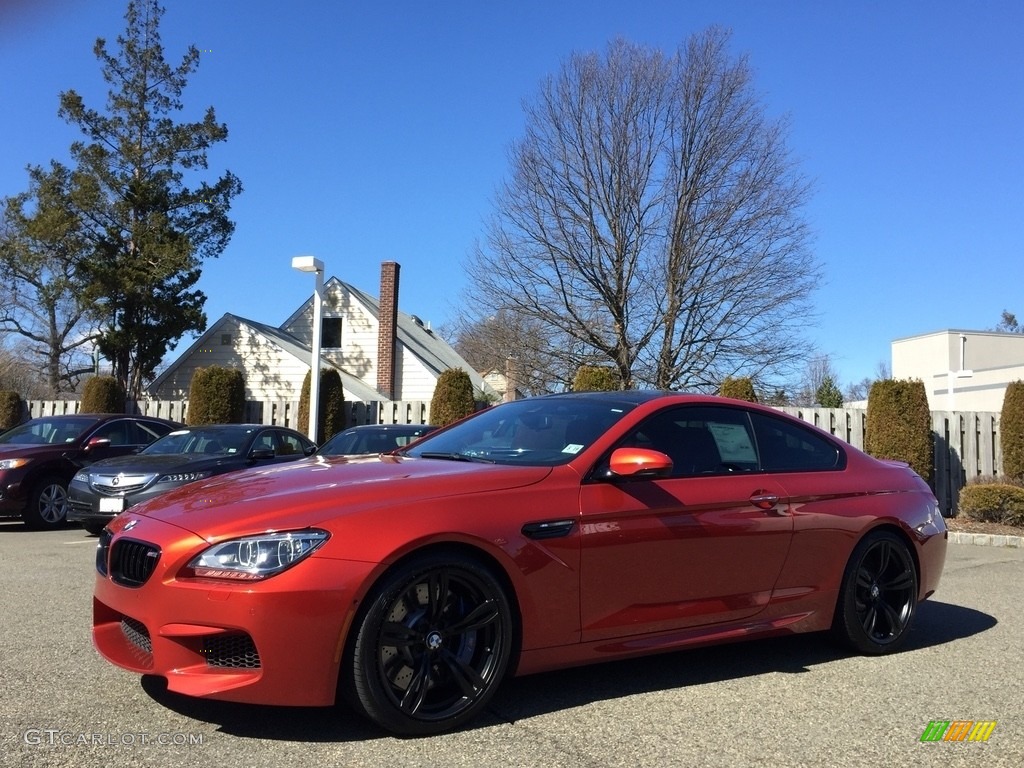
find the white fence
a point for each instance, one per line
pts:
(966, 444)
(283, 413)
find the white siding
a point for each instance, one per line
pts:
(414, 381)
(358, 353)
(270, 373)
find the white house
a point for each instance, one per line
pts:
(381, 353)
(961, 370)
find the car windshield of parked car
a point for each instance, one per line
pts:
(211, 442)
(42, 431)
(540, 432)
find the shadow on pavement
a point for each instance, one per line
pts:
(936, 624)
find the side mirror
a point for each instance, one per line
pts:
(309, 451)
(261, 453)
(639, 464)
(97, 442)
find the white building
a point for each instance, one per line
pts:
(961, 370)
(380, 353)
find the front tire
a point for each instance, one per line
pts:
(431, 647)
(878, 598)
(47, 504)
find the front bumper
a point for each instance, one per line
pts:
(277, 641)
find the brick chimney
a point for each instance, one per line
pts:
(387, 332)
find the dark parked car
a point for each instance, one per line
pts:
(107, 488)
(538, 534)
(38, 458)
(373, 438)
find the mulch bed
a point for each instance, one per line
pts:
(965, 525)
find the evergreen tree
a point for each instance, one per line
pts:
(149, 230)
(828, 394)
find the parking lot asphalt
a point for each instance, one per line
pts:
(795, 701)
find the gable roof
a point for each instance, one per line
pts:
(284, 341)
(435, 353)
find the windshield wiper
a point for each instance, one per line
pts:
(455, 457)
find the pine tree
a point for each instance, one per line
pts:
(149, 230)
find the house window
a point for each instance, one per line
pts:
(225, 339)
(330, 332)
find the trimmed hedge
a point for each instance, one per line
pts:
(216, 395)
(998, 502)
(453, 397)
(1011, 430)
(330, 416)
(899, 424)
(738, 389)
(103, 394)
(12, 410)
(596, 378)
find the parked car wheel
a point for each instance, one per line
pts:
(47, 504)
(432, 647)
(878, 598)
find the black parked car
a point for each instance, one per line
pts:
(373, 438)
(39, 457)
(107, 488)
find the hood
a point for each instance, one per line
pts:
(28, 450)
(164, 463)
(315, 491)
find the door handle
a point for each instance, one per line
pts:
(765, 500)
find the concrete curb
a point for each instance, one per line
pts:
(986, 539)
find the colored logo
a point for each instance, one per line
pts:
(958, 730)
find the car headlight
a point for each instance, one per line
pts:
(13, 463)
(256, 557)
(80, 477)
(183, 477)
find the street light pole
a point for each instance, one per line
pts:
(312, 264)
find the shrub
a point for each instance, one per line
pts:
(12, 410)
(596, 378)
(1011, 429)
(738, 389)
(216, 395)
(330, 415)
(103, 394)
(453, 397)
(899, 424)
(1001, 501)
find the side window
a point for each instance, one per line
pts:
(786, 447)
(144, 432)
(700, 440)
(117, 432)
(265, 440)
(289, 445)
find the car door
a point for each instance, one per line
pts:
(704, 546)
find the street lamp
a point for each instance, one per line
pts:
(313, 264)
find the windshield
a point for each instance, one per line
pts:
(40, 431)
(538, 432)
(211, 442)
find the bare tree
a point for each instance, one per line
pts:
(488, 344)
(817, 371)
(41, 250)
(652, 220)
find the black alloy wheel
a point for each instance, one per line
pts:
(878, 598)
(432, 646)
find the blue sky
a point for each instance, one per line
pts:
(365, 132)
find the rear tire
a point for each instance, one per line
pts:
(431, 647)
(47, 504)
(878, 597)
